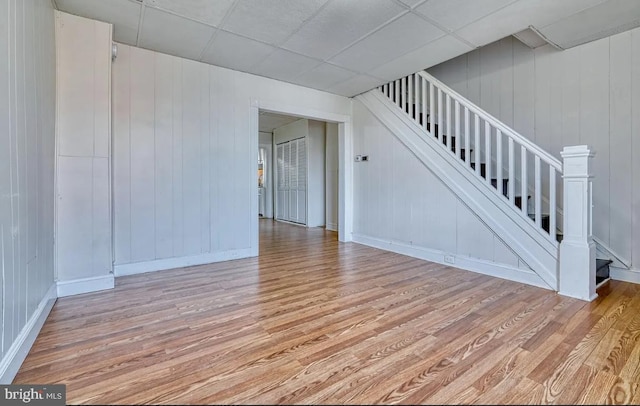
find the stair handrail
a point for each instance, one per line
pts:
(522, 140)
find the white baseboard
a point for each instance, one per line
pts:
(170, 263)
(462, 262)
(626, 275)
(85, 285)
(18, 351)
(331, 226)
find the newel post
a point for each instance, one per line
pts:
(577, 275)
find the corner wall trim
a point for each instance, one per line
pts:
(85, 285)
(331, 226)
(461, 262)
(18, 351)
(170, 263)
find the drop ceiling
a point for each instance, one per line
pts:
(344, 47)
(267, 122)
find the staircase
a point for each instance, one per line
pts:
(520, 177)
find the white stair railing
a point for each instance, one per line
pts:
(506, 161)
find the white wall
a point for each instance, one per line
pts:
(27, 124)
(185, 147)
(585, 95)
(83, 210)
(399, 204)
(331, 176)
(316, 174)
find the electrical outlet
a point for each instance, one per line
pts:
(450, 259)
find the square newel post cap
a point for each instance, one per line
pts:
(577, 151)
(576, 161)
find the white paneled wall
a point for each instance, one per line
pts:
(27, 109)
(317, 171)
(83, 209)
(401, 205)
(185, 157)
(590, 95)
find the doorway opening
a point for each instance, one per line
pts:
(298, 170)
(303, 175)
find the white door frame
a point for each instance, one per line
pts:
(345, 164)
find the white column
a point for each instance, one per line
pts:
(577, 250)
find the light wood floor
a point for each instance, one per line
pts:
(316, 321)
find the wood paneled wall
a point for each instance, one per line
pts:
(83, 210)
(184, 152)
(27, 109)
(400, 201)
(590, 95)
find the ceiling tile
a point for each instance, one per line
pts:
(453, 14)
(267, 122)
(323, 76)
(355, 86)
(235, 52)
(206, 11)
(284, 65)
(399, 37)
(433, 53)
(339, 24)
(184, 38)
(412, 3)
(123, 14)
(518, 16)
(597, 22)
(270, 21)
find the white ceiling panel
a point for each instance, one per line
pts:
(123, 14)
(453, 14)
(395, 39)
(355, 85)
(206, 11)
(235, 52)
(442, 49)
(284, 65)
(372, 41)
(339, 24)
(594, 23)
(270, 21)
(520, 15)
(174, 35)
(267, 122)
(412, 3)
(324, 76)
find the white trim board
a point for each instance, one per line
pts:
(461, 262)
(85, 285)
(626, 275)
(171, 263)
(331, 227)
(18, 351)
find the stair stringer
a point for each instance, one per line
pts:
(516, 232)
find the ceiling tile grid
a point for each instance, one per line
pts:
(185, 37)
(341, 46)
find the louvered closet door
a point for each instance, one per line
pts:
(291, 196)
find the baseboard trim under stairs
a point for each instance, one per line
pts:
(461, 262)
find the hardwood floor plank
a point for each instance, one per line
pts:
(314, 321)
